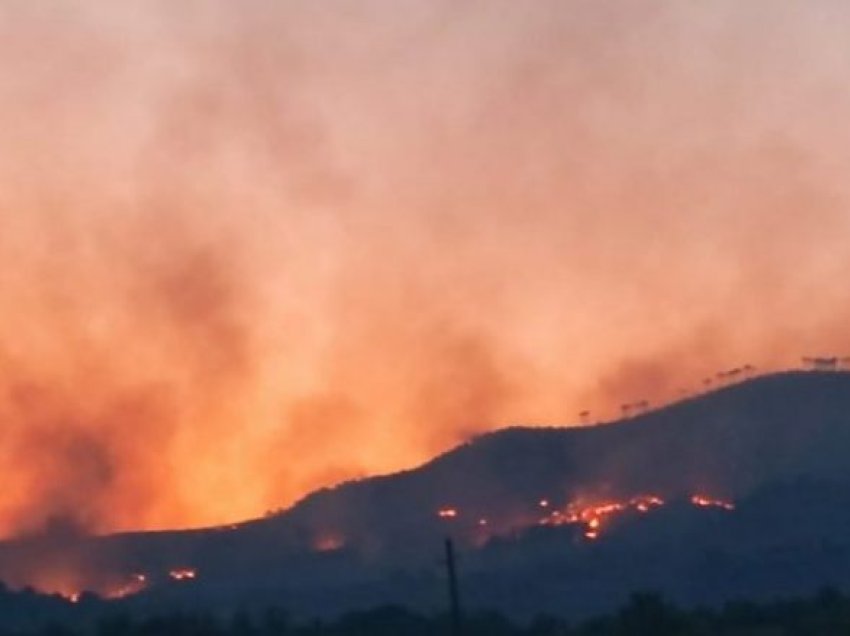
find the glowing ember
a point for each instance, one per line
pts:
(591, 517)
(645, 504)
(136, 584)
(590, 520)
(329, 543)
(184, 574)
(708, 502)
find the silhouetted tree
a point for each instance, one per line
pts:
(648, 614)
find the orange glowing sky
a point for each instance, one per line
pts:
(251, 248)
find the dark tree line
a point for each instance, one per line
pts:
(647, 614)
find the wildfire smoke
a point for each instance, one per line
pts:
(237, 264)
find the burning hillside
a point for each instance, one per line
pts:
(112, 587)
(590, 516)
(681, 476)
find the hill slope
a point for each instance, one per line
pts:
(777, 445)
(727, 443)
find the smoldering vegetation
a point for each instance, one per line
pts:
(251, 250)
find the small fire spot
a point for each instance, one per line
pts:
(183, 574)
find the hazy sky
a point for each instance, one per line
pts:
(251, 248)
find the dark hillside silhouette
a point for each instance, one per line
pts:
(777, 446)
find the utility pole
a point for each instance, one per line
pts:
(454, 597)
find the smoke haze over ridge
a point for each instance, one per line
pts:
(248, 250)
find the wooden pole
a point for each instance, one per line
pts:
(454, 597)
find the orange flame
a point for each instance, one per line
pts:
(707, 502)
(183, 574)
(591, 517)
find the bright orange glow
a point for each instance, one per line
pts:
(447, 513)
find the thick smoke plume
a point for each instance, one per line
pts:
(253, 248)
